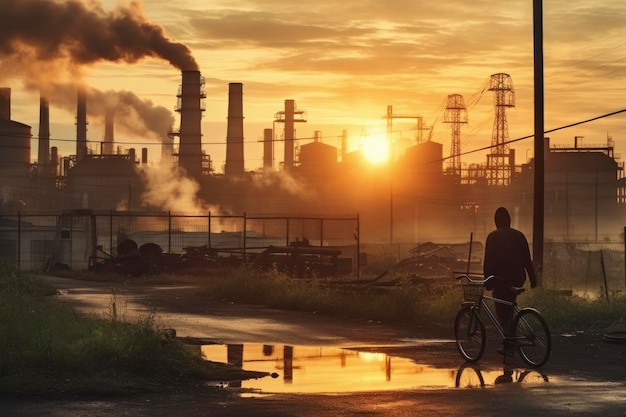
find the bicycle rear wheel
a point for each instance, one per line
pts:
(469, 332)
(532, 337)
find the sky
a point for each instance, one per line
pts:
(342, 62)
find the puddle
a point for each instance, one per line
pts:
(309, 369)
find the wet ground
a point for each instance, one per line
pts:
(327, 367)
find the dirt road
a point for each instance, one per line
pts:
(584, 377)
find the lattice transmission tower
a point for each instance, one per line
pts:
(499, 166)
(456, 115)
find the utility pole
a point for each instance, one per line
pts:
(538, 201)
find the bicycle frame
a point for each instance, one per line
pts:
(528, 332)
(481, 305)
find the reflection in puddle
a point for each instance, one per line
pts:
(308, 369)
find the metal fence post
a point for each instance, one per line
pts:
(19, 240)
(245, 227)
(209, 240)
(169, 232)
(111, 233)
(321, 232)
(358, 247)
(287, 232)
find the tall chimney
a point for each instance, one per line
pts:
(107, 145)
(290, 107)
(5, 103)
(43, 155)
(144, 156)
(268, 149)
(167, 151)
(234, 135)
(190, 106)
(81, 124)
(54, 161)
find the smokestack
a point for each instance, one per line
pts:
(234, 135)
(268, 149)
(54, 160)
(290, 107)
(144, 156)
(5, 103)
(81, 125)
(167, 151)
(43, 155)
(107, 145)
(191, 106)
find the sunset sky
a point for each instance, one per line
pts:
(344, 62)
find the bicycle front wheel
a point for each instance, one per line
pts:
(532, 337)
(469, 332)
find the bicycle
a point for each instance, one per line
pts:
(530, 337)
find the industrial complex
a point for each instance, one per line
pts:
(419, 195)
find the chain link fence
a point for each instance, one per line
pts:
(588, 269)
(75, 238)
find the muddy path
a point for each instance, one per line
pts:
(585, 376)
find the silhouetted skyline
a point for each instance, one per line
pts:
(342, 63)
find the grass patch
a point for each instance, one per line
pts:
(570, 313)
(50, 350)
(404, 303)
(407, 303)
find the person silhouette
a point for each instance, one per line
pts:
(507, 256)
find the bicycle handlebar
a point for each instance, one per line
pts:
(517, 290)
(477, 281)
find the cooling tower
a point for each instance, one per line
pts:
(190, 106)
(234, 134)
(81, 125)
(43, 151)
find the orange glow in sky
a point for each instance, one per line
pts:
(376, 149)
(344, 63)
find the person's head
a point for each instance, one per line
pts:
(502, 218)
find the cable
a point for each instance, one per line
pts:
(531, 136)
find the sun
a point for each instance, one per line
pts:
(376, 148)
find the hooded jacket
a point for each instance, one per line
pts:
(507, 254)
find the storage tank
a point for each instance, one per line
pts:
(14, 140)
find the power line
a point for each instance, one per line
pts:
(484, 148)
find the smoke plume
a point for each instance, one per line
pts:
(167, 188)
(84, 33)
(133, 115)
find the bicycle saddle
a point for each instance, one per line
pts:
(518, 290)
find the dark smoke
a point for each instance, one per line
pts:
(52, 30)
(133, 115)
